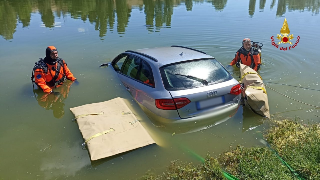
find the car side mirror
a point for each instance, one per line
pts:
(105, 64)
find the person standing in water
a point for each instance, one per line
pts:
(247, 55)
(51, 72)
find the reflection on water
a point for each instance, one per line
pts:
(250, 120)
(53, 101)
(158, 13)
(312, 6)
(252, 6)
(187, 127)
(36, 145)
(105, 14)
(262, 4)
(63, 160)
(219, 5)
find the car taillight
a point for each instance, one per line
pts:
(236, 90)
(172, 104)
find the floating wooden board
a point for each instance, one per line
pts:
(110, 128)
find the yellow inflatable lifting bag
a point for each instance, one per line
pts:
(254, 91)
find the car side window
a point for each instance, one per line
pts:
(131, 66)
(118, 65)
(145, 74)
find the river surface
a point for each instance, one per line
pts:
(39, 140)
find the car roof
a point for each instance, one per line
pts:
(173, 54)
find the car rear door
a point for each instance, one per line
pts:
(136, 75)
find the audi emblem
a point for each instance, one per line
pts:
(212, 93)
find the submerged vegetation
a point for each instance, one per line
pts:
(292, 152)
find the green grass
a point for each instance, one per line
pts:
(296, 144)
(254, 163)
(210, 169)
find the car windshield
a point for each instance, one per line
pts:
(193, 74)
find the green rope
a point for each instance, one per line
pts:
(226, 174)
(229, 176)
(263, 141)
(283, 161)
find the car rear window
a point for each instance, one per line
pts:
(193, 74)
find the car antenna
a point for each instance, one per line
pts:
(181, 54)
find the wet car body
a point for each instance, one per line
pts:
(177, 83)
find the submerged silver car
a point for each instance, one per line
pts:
(178, 83)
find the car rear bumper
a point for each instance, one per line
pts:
(193, 124)
(210, 116)
(227, 110)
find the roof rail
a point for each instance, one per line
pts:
(150, 57)
(188, 48)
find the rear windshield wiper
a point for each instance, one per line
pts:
(203, 81)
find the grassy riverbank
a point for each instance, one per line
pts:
(292, 151)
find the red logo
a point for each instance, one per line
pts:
(285, 38)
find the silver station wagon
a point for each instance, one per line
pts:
(177, 83)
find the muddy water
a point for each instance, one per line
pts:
(39, 140)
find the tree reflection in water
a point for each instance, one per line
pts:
(104, 14)
(252, 6)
